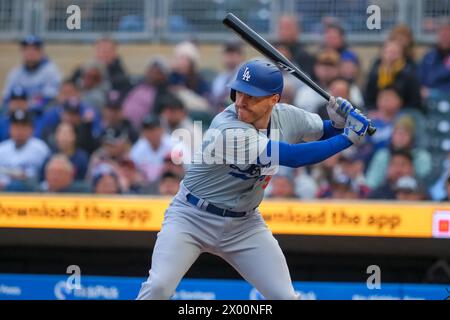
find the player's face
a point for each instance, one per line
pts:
(251, 109)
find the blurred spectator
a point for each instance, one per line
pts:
(112, 116)
(169, 184)
(59, 177)
(84, 119)
(93, 84)
(115, 151)
(334, 39)
(145, 97)
(349, 69)
(282, 186)
(38, 76)
(347, 180)
(438, 189)
(150, 150)
(291, 83)
(232, 57)
(289, 34)
(389, 104)
(175, 122)
(447, 189)
(403, 137)
(22, 156)
(340, 87)
(66, 144)
(434, 70)
(18, 101)
(305, 185)
(186, 78)
(400, 165)
(323, 173)
(403, 35)
(408, 189)
(105, 180)
(106, 53)
(341, 187)
(326, 68)
(392, 70)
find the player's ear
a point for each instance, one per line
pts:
(275, 98)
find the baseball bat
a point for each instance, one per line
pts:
(260, 44)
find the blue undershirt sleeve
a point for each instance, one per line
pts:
(329, 131)
(298, 155)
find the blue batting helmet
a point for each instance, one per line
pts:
(257, 78)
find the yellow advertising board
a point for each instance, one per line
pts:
(374, 219)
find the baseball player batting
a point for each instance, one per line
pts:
(216, 208)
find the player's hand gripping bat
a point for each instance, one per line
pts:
(260, 44)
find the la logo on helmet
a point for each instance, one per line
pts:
(246, 75)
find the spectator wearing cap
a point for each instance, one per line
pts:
(105, 180)
(115, 151)
(22, 156)
(326, 68)
(150, 150)
(232, 57)
(145, 98)
(37, 75)
(112, 116)
(391, 69)
(434, 69)
(403, 137)
(82, 117)
(106, 53)
(60, 177)
(175, 122)
(408, 189)
(400, 165)
(18, 101)
(289, 34)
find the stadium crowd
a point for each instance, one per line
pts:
(101, 130)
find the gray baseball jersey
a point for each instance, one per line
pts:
(236, 183)
(240, 187)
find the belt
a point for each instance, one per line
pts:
(200, 203)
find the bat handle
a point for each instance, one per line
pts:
(372, 129)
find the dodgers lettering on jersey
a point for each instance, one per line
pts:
(238, 177)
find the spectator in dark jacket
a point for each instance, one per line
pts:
(434, 70)
(400, 165)
(392, 70)
(106, 53)
(289, 33)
